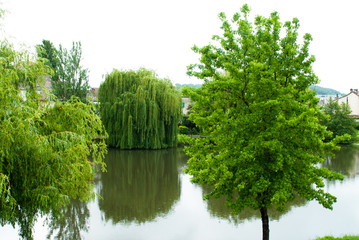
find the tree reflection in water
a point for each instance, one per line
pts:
(143, 185)
(74, 219)
(217, 208)
(346, 162)
(140, 185)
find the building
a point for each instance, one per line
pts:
(92, 95)
(185, 104)
(324, 99)
(352, 99)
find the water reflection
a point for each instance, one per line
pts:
(74, 220)
(345, 161)
(140, 185)
(217, 208)
(145, 192)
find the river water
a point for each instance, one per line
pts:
(145, 196)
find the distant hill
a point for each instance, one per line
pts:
(317, 89)
(324, 91)
(179, 86)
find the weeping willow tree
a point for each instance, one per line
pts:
(45, 145)
(139, 110)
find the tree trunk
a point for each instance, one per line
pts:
(265, 223)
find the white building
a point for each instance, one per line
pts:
(324, 99)
(352, 99)
(185, 103)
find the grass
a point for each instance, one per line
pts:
(343, 238)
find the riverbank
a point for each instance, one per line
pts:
(343, 238)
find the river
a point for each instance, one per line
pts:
(145, 196)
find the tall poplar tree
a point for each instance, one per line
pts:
(69, 78)
(48, 52)
(139, 110)
(265, 143)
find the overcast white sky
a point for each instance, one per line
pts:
(159, 34)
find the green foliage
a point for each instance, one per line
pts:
(48, 52)
(264, 141)
(44, 146)
(339, 122)
(187, 120)
(69, 78)
(183, 130)
(139, 110)
(343, 238)
(191, 127)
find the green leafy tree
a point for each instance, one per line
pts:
(339, 122)
(69, 77)
(264, 141)
(44, 146)
(139, 110)
(190, 126)
(48, 52)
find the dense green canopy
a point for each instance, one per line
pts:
(265, 142)
(44, 144)
(139, 110)
(339, 121)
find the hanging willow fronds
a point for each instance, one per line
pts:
(139, 110)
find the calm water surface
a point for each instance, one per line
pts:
(146, 196)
